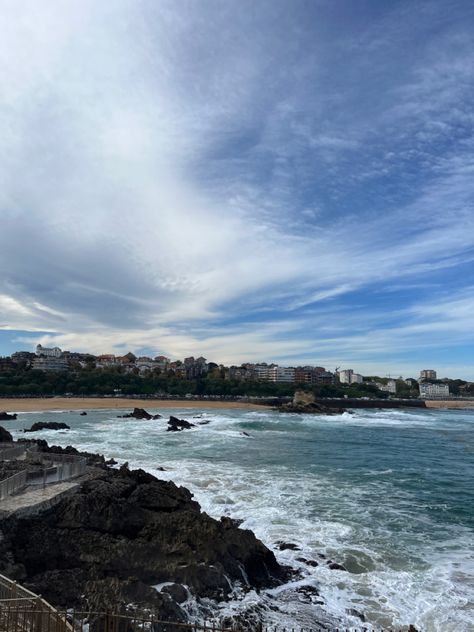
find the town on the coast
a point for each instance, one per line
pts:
(52, 371)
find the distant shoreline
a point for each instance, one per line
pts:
(32, 404)
(449, 403)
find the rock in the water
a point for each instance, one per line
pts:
(177, 592)
(121, 533)
(83, 414)
(334, 566)
(47, 425)
(307, 562)
(7, 417)
(287, 546)
(304, 403)
(137, 413)
(175, 424)
(5, 436)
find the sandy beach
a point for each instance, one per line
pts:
(450, 403)
(96, 403)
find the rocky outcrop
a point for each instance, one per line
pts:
(304, 403)
(47, 425)
(139, 413)
(5, 436)
(175, 424)
(123, 532)
(7, 417)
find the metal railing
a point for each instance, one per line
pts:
(12, 452)
(23, 611)
(13, 484)
(66, 466)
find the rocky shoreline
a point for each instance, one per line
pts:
(122, 533)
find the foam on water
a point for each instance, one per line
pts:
(385, 493)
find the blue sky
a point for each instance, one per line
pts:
(283, 181)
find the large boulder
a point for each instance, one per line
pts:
(47, 425)
(123, 532)
(139, 413)
(7, 417)
(5, 436)
(175, 424)
(304, 403)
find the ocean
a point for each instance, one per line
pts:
(388, 494)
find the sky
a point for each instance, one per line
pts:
(288, 181)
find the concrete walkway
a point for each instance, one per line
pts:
(34, 499)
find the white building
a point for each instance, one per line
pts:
(432, 391)
(49, 363)
(265, 372)
(55, 352)
(357, 378)
(285, 374)
(389, 387)
(345, 376)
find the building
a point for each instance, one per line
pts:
(49, 363)
(433, 391)
(263, 372)
(356, 378)
(323, 377)
(304, 375)
(285, 374)
(54, 352)
(427, 374)
(345, 376)
(105, 360)
(389, 387)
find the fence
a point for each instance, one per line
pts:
(65, 466)
(13, 484)
(10, 453)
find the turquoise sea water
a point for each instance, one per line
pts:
(389, 494)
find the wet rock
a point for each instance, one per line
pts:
(355, 613)
(176, 592)
(204, 423)
(124, 531)
(308, 592)
(176, 425)
(245, 434)
(137, 413)
(308, 562)
(334, 566)
(5, 436)
(4, 416)
(287, 546)
(304, 403)
(160, 468)
(83, 414)
(111, 462)
(47, 425)
(231, 522)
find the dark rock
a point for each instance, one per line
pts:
(231, 522)
(287, 546)
(5, 436)
(160, 468)
(308, 562)
(157, 416)
(176, 592)
(7, 417)
(356, 613)
(334, 566)
(246, 434)
(47, 425)
(204, 423)
(83, 414)
(304, 403)
(139, 413)
(175, 424)
(111, 462)
(124, 531)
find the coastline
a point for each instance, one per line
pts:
(16, 405)
(449, 403)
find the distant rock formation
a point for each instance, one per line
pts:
(175, 424)
(139, 413)
(4, 416)
(304, 403)
(47, 425)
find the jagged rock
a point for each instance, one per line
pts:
(5, 436)
(137, 413)
(287, 546)
(177, 592)
(334, 566)
(356, 613)
(175, 424)
(47, 425)
(121, 533)
(4, 416)
(245, 434)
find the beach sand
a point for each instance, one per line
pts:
(96, 403)
(449, 403)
